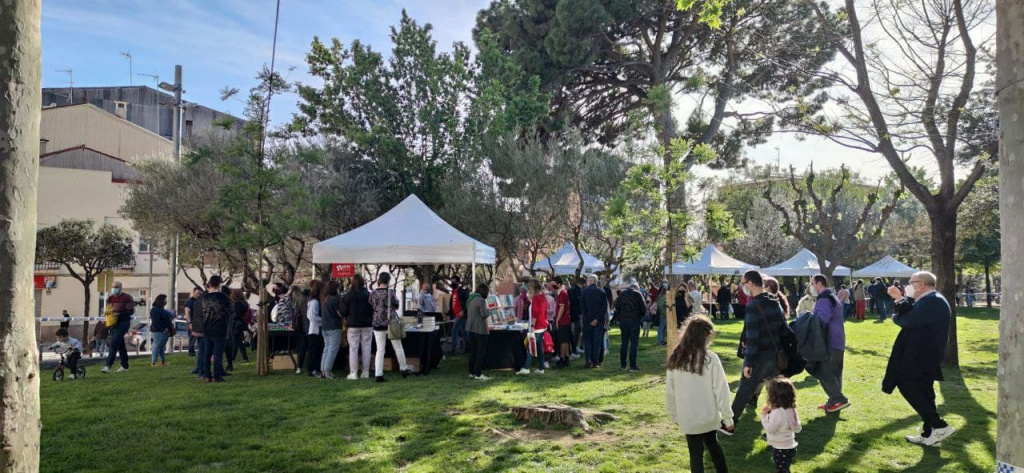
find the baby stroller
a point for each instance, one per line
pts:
(58, 372)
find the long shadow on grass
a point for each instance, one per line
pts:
(861, 443)
(979, 420)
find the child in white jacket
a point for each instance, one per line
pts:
(781, 422)
(697, 393)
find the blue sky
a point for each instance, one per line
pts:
(225, 42)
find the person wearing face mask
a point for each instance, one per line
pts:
(915, 363)
(124, 306)
(829, 372)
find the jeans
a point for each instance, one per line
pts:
(117, 346)
(72, 360)
(381, 337)
(749, 387)
(300, 343)
(200, 356)
(477, 354)
(159, 348)
(192, 345)
(539, 338)
(920, 394)
(595, 343)
(577, 336)
(458, 334)
(332, 342)
(314, 352)
(696, 443)
(360, 341)
(213, 359)
(847, 310)
(830, 375)
(662, 329)
(630, 338)
(235, 344)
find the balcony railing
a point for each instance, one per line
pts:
(47, 266)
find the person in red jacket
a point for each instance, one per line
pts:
(538, 324)
(124, 306)
(563, 321)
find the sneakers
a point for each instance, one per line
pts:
(122, 369)
(547, 365)
(483, 378)
(298, 370)
(353, 376)
(933, 440)
(327, 375)
(72, 376)
(314, 374)
(574, 357)
(366, 375)
(727, 431)
(539, 372)
(823, 406)
(837, 406)
(380, 379)
(634, 370)
(523, 371)
(105, 370)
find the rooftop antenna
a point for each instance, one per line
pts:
(128, 55)
(155, 77)
(71, 84)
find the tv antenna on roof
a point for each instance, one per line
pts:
(71, 84)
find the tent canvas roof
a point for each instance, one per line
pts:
(409, 233)
(887, 267)
(712, 261)
(565, 261)
(804, 263)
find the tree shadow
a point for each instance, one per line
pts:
(861, 443)
(979, 421)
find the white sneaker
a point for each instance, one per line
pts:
(915, 439)
(353, 376)
(72, 376)
(539, 371)
(938, 435)
(556, 359)
(106, 369)
(574, 357)
(547, 365)
(298, 370)
(122, 369)
(472, 377)
(366, 375)
(483, 378)
(523, 371)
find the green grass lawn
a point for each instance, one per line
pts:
(163, 419)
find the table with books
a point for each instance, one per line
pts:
(506, 347)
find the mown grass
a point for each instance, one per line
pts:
(162, 419)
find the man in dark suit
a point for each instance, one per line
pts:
(914, 365)
(594, 315)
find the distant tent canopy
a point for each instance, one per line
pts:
(565, 261)
(804, 263)
(712, 261)
(887, 267)
(408, 234)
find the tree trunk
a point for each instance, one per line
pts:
(943, 265)
(85, 313)
(20, 109)
(988, 286)
(1010, 372)
(262, 345)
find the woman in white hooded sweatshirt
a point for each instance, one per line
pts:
(697, 393)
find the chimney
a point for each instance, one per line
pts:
(121, 109)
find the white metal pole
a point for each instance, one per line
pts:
(473, 277)
(176, 130)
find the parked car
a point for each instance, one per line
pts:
(138, 336)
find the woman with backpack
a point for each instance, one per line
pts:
(385, 306)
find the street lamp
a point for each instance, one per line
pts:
(176, 89)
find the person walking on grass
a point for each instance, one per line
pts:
(563, 321)
(237, 327)
(161, 322)
(314, 339)
(915, 363)
(214, 308)
(630, 311)
(595, 319)
(859, 300)
(697, 392)
(123, 307)
(829, 373)
(385, 306)
(763, 325)
(330, 326)
(538, 325)
(781, 422)
(358, 312)
(476, 325)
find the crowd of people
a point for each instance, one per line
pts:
(697, 391)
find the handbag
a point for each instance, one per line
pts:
(549, 344)
(396, 326)
(111, 316)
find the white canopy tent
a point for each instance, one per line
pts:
(804, 263)
(887, 267)
(712, 261)
(565, 261)
(408, 234)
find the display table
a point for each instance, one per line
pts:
(425, 345)
(506, 348)
(281, 341)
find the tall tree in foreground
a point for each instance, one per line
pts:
(85, 251)
(20, 105)
(913, 69)
(829, 218)
(1010, 97)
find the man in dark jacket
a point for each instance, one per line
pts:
(594, 314)
(915, 363)
(629, 311)
(724, 299)
(214, 309)
(763, 325)
(575, 293)
(124, 306)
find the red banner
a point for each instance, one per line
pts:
(39, 282)
(343, 270)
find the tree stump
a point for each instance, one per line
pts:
(561, 414)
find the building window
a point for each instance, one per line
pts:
(144, 246)
(188, 128)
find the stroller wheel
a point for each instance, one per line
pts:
(58, 374)
(80, 372)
